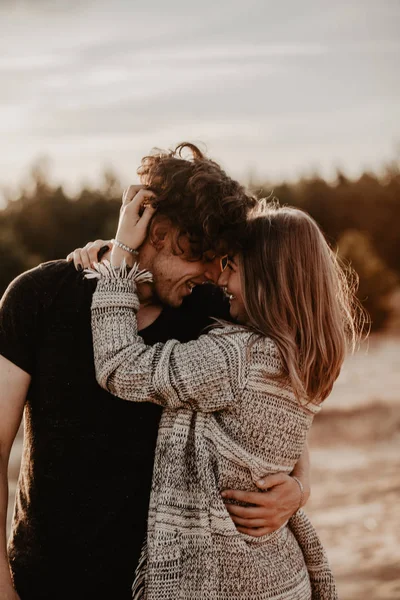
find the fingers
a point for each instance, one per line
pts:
(130, 193)
(287, 494)
(245, 512)
(270, 481)
(147, 215)
(141, 198)
(254, 518)
(257, 498)
(255, 532)
(134, 220)
(85, 257)
(249, 523)
(136, 212)
(93, 249)
(76, 257)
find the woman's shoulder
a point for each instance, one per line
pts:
(259, 349)
(231, 339)
(235, 333)
(267, 345)
(241, 332)
(265, 353)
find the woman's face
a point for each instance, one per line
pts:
(231, 282)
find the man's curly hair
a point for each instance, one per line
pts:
(199, 199)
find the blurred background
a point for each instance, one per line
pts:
(297, 99)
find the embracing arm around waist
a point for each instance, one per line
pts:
(204, 375)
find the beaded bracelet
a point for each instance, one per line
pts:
(297, 480)
(125, 247)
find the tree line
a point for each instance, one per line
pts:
(359, 217)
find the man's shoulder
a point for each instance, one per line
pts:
(41, 281)
(49, 270)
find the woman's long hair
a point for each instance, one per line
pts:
(296, 292)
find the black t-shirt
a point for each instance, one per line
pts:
(83, 493)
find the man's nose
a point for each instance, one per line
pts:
(213, 270)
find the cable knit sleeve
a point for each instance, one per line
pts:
(204, 375)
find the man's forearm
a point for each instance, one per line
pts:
(14, 384)
(302, 472)
(5, 575)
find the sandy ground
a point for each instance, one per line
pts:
(355, 501)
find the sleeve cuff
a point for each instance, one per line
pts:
(117, 285)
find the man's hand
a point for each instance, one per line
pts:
(270, 509)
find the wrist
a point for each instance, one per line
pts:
(305, 481)
(128, 236)
(306, 495)
(127, 246)
(118, 255)
(303, 475)
(304, 490)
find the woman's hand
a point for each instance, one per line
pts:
(137, 210)
(132, 230)
(93, 252)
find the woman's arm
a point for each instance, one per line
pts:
(204, 375)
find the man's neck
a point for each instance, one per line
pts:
(146, 295)
(147, 315)
(150, 309)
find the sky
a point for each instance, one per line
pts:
(271, 90)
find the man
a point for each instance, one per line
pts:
(82, 498)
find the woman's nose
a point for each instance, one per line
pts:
(223, 278)
(213, 270)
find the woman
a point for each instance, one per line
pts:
(238, 402)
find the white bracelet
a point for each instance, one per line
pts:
(124, 247)
(297, 480)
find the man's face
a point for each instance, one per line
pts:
(175, 276)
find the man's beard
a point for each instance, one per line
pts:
(162, 296)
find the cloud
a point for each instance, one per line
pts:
(247, 77)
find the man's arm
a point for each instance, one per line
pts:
(302, 472)
(273, 507)
(14, 384)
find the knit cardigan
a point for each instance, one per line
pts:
(227, 421)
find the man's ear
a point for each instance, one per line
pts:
(159, 229)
